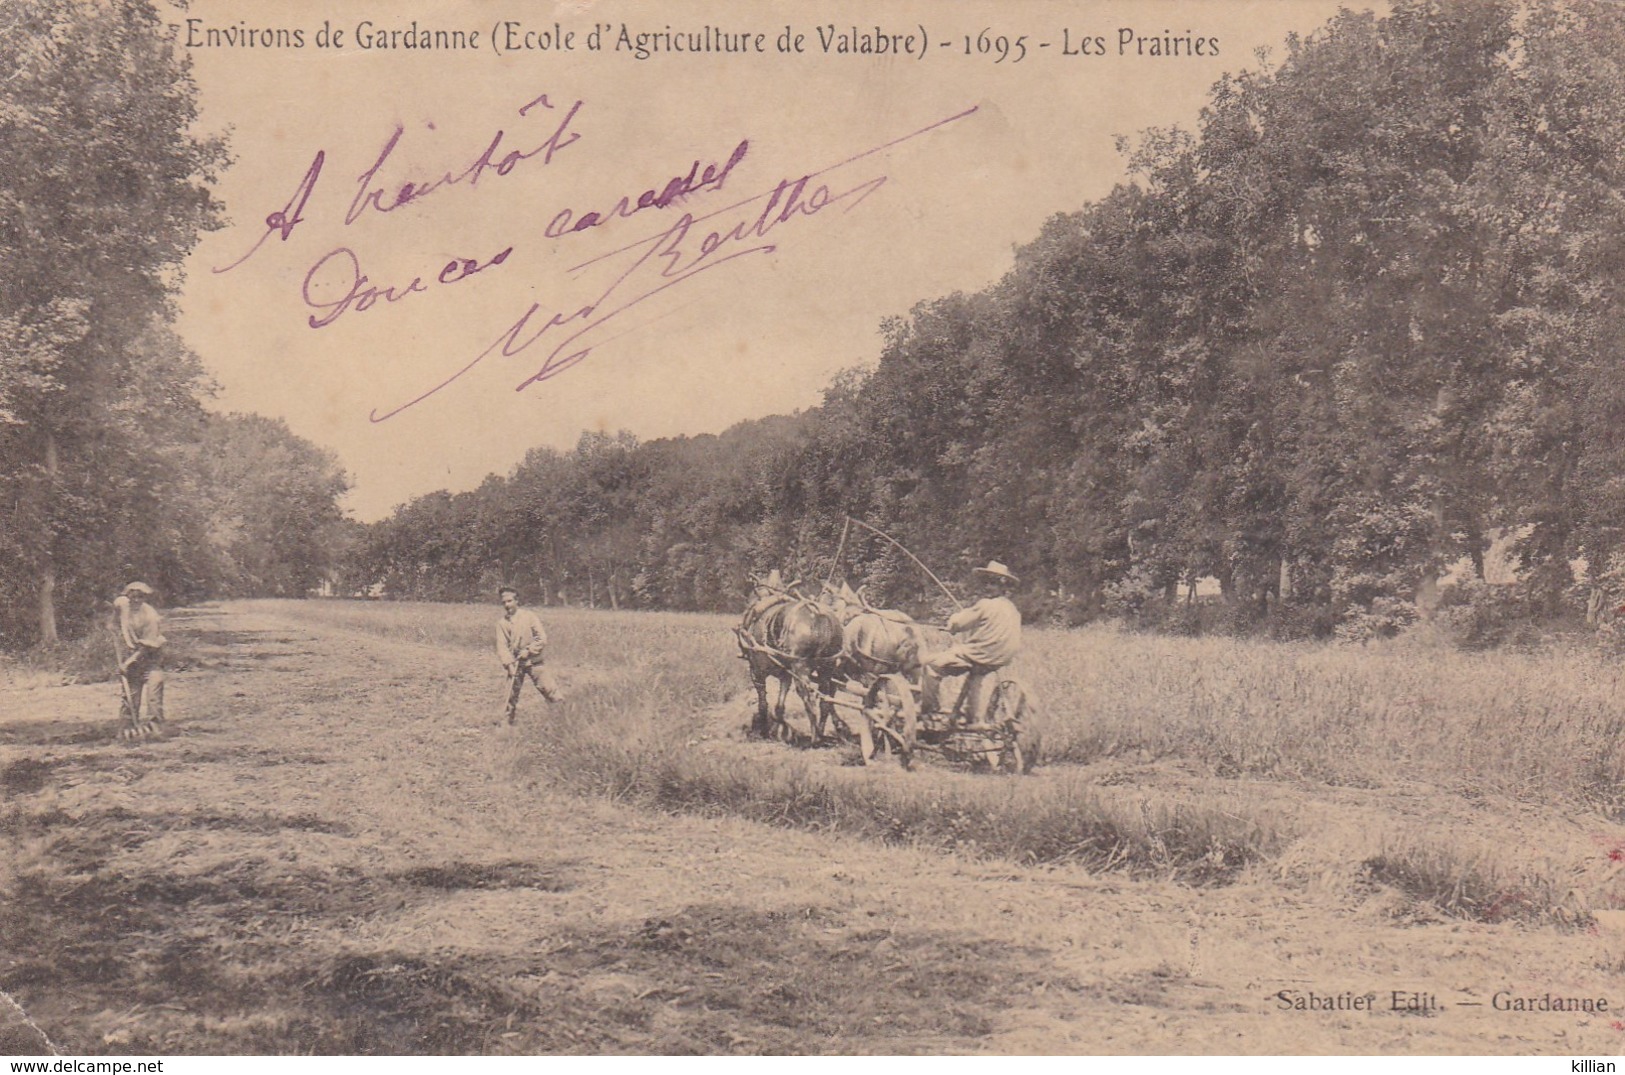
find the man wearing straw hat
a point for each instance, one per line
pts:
(987, 636)
(141, 659)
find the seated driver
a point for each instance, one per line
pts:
(987, 636)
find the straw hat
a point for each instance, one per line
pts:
(139, 587)
(998, 571)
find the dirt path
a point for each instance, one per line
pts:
(338, 849)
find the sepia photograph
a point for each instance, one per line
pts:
(710, 528)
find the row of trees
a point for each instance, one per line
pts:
(110, 467)
(1359, 322)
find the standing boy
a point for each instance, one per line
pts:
(521, 644)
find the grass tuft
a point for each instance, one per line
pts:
(1471, 884)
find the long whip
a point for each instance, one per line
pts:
(899, 545)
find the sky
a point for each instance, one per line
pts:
(503, 303)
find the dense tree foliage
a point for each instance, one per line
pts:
(105, 192)
(270, 502)
(1359, 322)
(110, 468)
(1358, 325)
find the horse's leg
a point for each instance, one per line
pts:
(783, 729)
(866, 738)
(762, 726)
(815, 712)
(818, 711)
(826, 704)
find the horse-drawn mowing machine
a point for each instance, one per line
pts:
(845, 657)
(874, 693)
(1000, 736)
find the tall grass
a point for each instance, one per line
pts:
(628, 744)
(1476, 883)
(1544, 727)
(640, 729)
(1536, 726)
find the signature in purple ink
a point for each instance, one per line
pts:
(338, 272)
(661, 261)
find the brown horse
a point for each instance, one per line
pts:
(877, 641)
(794, 640)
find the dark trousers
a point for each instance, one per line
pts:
(540, 677)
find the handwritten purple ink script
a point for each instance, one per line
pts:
(558, 336)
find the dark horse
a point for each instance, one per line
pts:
(794, 640)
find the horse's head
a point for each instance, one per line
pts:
(842, 600)
(769, 589)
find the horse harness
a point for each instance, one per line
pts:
(772, 617)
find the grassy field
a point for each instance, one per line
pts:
(341, 846)
(1193, 759)
(1538, 726)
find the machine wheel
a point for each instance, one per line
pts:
(1011, 758)
(1011, 711)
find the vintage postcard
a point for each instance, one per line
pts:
(1031, 528)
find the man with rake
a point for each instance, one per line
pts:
(140, 644)
(521, 644)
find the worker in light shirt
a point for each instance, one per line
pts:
(521, 647)
(987, 636)
(141, 658)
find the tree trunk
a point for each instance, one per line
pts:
(1427, 595)
(47, 581)
(47, 602)
(1476, 550)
